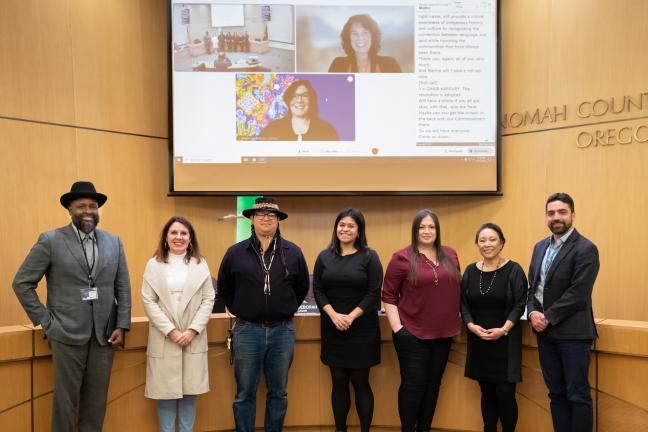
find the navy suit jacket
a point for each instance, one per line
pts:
(568, 287)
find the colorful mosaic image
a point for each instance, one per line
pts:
(259, 102)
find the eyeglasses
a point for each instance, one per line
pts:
(301, 96)
(266, 215)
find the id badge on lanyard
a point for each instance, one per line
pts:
(90, 292)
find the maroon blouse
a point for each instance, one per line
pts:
(427, 311)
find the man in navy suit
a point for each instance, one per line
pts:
(562, 274)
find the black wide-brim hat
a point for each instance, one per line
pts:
(266, 204)
(82, 189)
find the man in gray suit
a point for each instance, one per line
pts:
(88, 307)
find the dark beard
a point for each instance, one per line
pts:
(560, 229)
(83, 226)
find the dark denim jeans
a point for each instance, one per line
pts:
(269, 349)
(422, 363)
(565, 365)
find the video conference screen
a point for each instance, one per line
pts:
(334, 97)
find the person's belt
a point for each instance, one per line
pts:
(262, 323)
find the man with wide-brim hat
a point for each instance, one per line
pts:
(263, 280)
(88, 307)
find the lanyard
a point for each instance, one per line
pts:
(85, 255)
(266, 268)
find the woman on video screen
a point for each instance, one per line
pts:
(302, 122)
(361, 43)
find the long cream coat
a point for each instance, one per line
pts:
(172, 371)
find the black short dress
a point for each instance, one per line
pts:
(347, 282)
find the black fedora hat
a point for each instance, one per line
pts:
(267, 204)
(82, 189)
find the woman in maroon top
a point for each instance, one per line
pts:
(421, 295)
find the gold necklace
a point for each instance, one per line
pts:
(431, 264)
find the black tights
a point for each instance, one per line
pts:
(498, 403)
(341, 399)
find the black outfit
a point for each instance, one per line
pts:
(495, 364)
(281, 130)
(379, 64)
(422, 363)
(347, 282)
(241, 282)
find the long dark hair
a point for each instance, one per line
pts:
(360, 242)
(441, 256)
(193, 251)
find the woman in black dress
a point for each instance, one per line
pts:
(493, 298)
(346, 284)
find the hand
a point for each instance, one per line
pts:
(116, 338)
(479, 331)
(398, 329)
(175, 336)
(339, 321)
(349, 319)
(186, 337)
(494, 334)
(538, 321)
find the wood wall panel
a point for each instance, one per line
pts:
(36, 69)
(15, 377)
(15, 343)
(119, 50)
(17, 419)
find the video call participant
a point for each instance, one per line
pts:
(302, 122)
(361, 42)
(86, 274)
(346, 284)
(178, 297)
(562, 273)
(421, 296)
(262, 281)
(493, 298)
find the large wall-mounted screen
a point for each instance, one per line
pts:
(334, 97)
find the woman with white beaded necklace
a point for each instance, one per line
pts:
(493, 298)
(178, 297)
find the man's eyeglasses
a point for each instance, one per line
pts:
(266, 215)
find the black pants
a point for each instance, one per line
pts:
(422, 363)
(498, 403)
(341, 399)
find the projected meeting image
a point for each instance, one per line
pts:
(327, 98)
(233, 38)
(373, 39)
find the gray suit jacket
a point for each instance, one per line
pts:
(58, 256)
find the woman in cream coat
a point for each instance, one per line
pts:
(178, 299)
